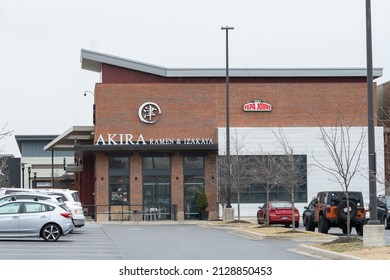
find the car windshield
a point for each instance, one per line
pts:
(62, 196)
(388, 202)
(5, 198)
(280, 204)
(76, 197)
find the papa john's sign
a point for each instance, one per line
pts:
(257, 106)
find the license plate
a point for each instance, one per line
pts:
(284, 218)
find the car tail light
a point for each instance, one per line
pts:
(66, 215)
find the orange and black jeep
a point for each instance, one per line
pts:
(331, 210)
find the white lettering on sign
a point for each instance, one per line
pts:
(129, 139)
(124, 139)
(149, 112)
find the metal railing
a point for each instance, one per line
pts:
(135, 213)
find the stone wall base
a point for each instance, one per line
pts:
(373, 236)
(228, 215)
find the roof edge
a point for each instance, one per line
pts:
(71, 132)
(92, 61)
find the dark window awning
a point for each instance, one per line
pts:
(80, 139)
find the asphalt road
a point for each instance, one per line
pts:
(191, 242)
(154, 242)
(149, 242)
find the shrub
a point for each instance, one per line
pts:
(202, 202)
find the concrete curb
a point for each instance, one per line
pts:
(283, 237)
(326, 253)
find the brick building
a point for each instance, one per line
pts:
(157, 132)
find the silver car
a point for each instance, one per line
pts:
(26, 218)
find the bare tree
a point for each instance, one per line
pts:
(4, 133)
(383, 118)
(239, 171)
(345, 154)
(4, 176)
(266, 173)
(290, 169)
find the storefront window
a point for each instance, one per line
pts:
(156, 163)
(119, 163)
(193, 162)
(253, 191)
(119, 181)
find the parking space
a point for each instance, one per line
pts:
(140, 241)
(86, 243)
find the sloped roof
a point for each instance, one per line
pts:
(93, 61)
(71, 137)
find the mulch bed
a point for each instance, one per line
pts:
(344, 240)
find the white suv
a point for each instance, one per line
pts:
(70, 198)
(32, 196)
(72, 201)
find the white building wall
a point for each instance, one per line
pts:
(42, 166)
(305, 140)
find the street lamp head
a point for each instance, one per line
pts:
(227, 28)
(87, 91)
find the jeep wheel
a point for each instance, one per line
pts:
(342, 210)
(309, 224)
(323, 225)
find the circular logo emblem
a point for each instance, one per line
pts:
(149, 112)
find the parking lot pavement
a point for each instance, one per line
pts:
(86, 243)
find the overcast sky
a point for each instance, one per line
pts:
(42, 83)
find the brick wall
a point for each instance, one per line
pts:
(195, 110)
(101, 185)
(195, 107)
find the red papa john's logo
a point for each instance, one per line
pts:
(257, 106)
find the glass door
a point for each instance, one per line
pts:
(193, 186)
(157, 197)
